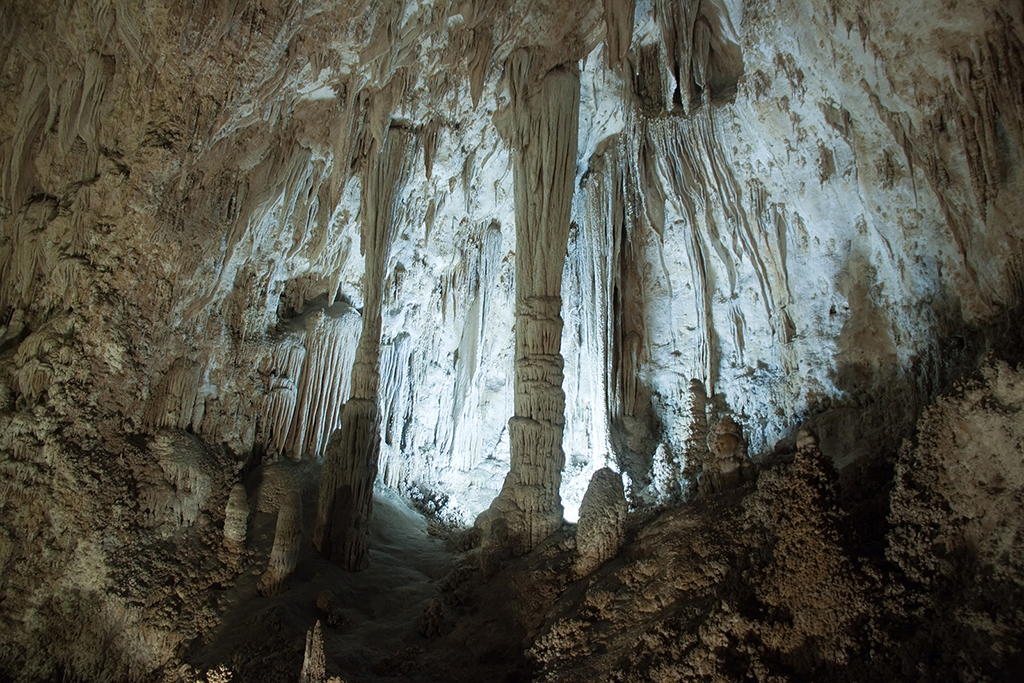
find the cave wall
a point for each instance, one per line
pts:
(786, 202)
(787, 211)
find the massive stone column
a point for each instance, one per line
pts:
(542, 124)
(350, 463)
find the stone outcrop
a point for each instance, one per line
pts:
(602, 526)
(542, 123)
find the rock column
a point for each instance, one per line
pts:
(543, 128)
(284, 555)
(602, 527)
(350, 467)
(236, 519)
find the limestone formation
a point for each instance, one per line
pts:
(313, 662)
(285, 552)
(175, 481)
(543, 123)
(236, 518)
(346, 486)
(232, 230)
(728, 465)
(602, 526)
(308, 379)
(665, 475)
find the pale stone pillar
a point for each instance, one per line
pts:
(350, 462)
(543, 129)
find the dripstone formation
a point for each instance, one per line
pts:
(350, 465)
(602, 526)
(524, 340)
(542, 121)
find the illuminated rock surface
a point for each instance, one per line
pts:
(260, 256)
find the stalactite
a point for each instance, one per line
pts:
(677, 20)
(175, 480)
(282, 367)
(431, 137)
(618, 17)
(17, 174)
(483, 50)
(543, 129)
(173, 402)
(325, 381)
(594, 264)
(346, 486)
(395, 395)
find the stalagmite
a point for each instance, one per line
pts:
(665, 471)
(285, 552)
(314, 663)
(543, 129)
(728, 465)
(236, 518)
(350, 467)
(602, 526)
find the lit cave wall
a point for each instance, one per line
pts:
(794, 213)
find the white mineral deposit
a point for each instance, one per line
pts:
(530, 340)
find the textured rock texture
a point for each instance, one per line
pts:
(602, 526)
(543, 117)
(760, 583)
(236, 518)
(232, 231)
(780, 201)
(956, 524)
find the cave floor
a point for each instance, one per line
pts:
(373, 621)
